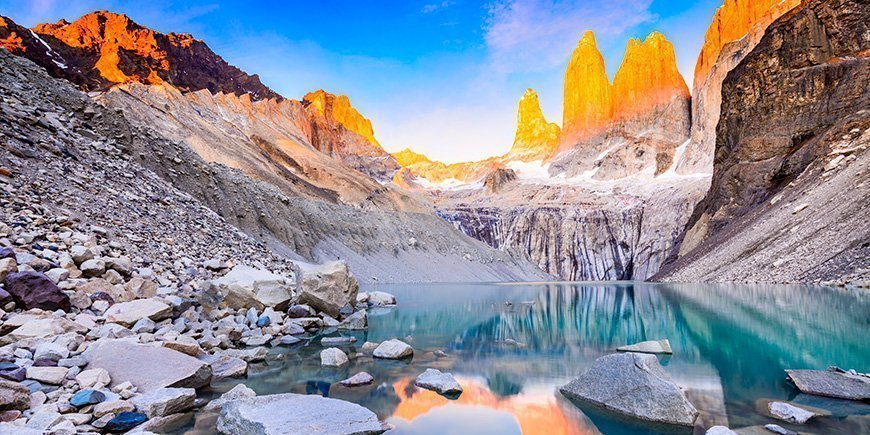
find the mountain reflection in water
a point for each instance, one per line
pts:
(512, 345)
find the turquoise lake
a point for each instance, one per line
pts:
(512, 345)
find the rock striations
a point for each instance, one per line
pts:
(535, 138)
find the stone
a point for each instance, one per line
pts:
(144, 324)
(442, 383)
(791, 413)
(263, 321)
(293, 329)
(128, 313)
(45, 327)
(112, 407)
(75, 361)
(80, 254)
(369, 347)
(57, 274)
(43, 420)
(141, 288)
(775, 428)
(655, 346)
(13, 396)
(831, 383)
(380, 299)
(50, 351)
(35, 290)
(297, 311)
(86, 397)
(337, 341)
(312, 414)
(248, 355)
(185, 345)
(635, 385)
(224, 366)
(48, 375)
(125, 421)
(333, 357)
(288, 340)
(245, 286)
(148, 367)
(165, 401)
(93, 268)
(357, 320)
(93, 378)
(7, 266)
(240, 391)
(361, 378)
(327, 287)
(393, 349)
(720, 430)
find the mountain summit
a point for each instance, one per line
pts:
(535, 138)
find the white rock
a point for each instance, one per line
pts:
(333, 357)
(93, 378)
(393, 349)
(48, 375)
(128, 313)
(443, 383)
(165, 401)
(653, 346)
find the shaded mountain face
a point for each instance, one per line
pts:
(102, 49)
(789, 188)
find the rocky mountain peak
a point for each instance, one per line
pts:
(102, 49)
(647, 78)
(587, 93)
(732, 21)
(535, 138)
(337, 110)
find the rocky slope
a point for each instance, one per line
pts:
(736, 28)
(789, 199)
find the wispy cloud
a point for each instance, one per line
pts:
(535, 35)
(432, 7)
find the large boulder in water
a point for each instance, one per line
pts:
(326, 287)
(296, 413)
(35, 290)
(831, 383)
(635, 385)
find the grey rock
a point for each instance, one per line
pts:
(267, 415)
(635, 385)
(792, 413)
(165, 401)
(831, 383)
(775, 428)
(327, 287)
(361, 378)
(357, 320)
(337, 341)
(240, 391)
(720, 430)
(147, 367)
(393, 349)
(654, 346)
(442, 383)
(333, 357)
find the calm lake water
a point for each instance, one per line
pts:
(731, 346)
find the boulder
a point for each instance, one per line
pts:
(35, 290)
(86, 397)
(47, 375)
(361, 378)
(147, 367)
(128, 313)
(393, 349)
(831, 383)
(13, 395)
(720, 430)
(441, 383)
(635, 385)
(165, 401)
(312, 415)
(113, 407)
(94, 378)
(7, 266)
(792, 413)
(245, 286)
(654, 346)
(357, 320)
(240, 391)
(225, 366)
(333, 357)
(326, 287)
(44, 327)
(380, 299)
(125, 421)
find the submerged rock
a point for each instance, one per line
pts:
(792, 413)
(831, 383)
(653, 346)
(361, 378)
(311, 414)
(442, 383)
(635, 385)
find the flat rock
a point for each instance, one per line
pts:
(442, 383)
(635, 385)
(44, 327)
(225, 366)
(333, 357)
(791, 413)
(47, 375)
(831, 383)
(165, 401)
(240, 391)
(361, 378)
(128, 313)
(654, 346)
(337, 341)
(393, 349)
(311, 415)
(147, 367)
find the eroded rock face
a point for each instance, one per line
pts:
(101, 49)
(535, 138)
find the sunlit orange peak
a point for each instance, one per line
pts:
(648, 77)
(337, 108)
(587, 94)
(535, 138)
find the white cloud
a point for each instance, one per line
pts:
(536, 35)
(432, 7)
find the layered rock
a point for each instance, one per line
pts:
(587, 104)
(535, 138)
(736, 28)
(102, 49)
(789, 180)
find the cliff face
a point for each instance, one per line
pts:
(535, 138)
(736, 28)
(787, 185)
(102, 48)
(587, 104)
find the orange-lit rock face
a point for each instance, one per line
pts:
(731, 22)
(647, 78)
(337, 109)
(535, 137)
(587, 96)
(542, 416)
(10, 36)
(103, 48)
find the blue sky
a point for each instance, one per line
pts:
(442, 77)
